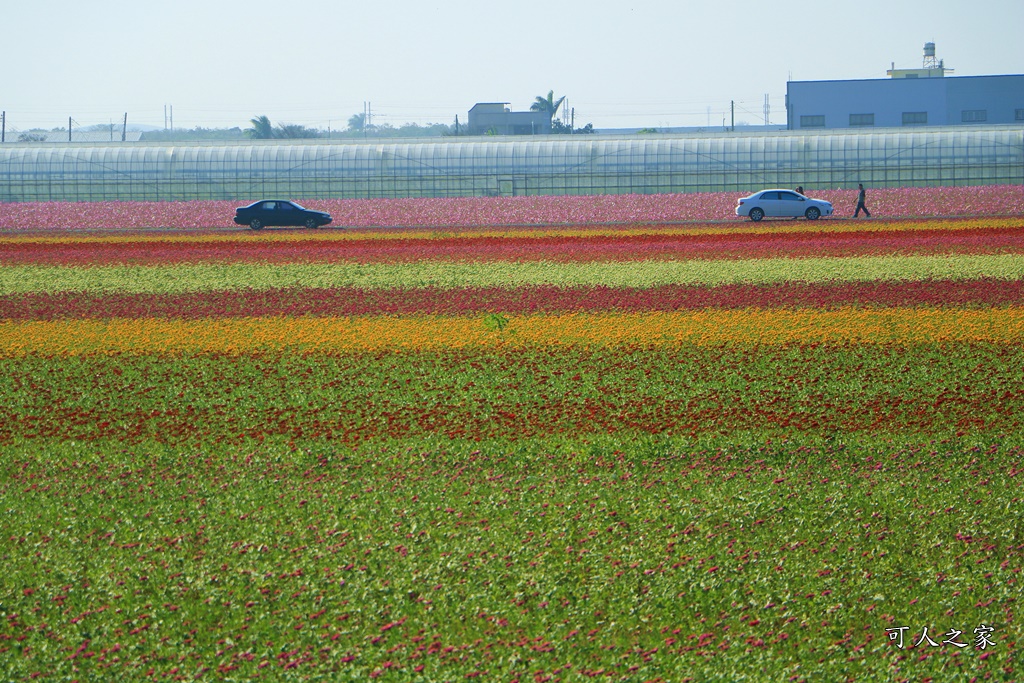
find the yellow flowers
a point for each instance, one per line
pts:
(708, 327)
(452, 274)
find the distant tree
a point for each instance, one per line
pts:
(293, 131)
(548, 104)
(559, 128)
(197, 133)
(356, 129)
(357, 123)
(430, 130)
(261, 128)
(32, 137)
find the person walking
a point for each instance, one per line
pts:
(861, 206)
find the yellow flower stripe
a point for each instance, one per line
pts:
(709, 327)
(190, 277)
(669, 230)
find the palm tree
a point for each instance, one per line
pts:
(261, 128)
(548, 104)
(357, 122)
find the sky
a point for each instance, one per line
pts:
(621, 64)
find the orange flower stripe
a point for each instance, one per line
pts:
(707, 327)
(389, 234)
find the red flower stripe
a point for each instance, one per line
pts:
(623, 247)
(548, 299)
(546, 394)
(510, 211)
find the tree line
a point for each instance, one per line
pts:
(262, 128)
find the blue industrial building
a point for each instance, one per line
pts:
(909, 97)
(897, 102)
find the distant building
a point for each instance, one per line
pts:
(496, 118)
(931, 68)
(909, 97)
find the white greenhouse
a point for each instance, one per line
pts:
(507, 166)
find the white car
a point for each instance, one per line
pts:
(781, 203)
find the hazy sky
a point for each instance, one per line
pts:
(627, 63)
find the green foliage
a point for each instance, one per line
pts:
(357, 123)
(495, 321)
(357, 129)
(198, 133)
(516, 394)
(559, 128)
(261, 129)
(414, 561)
(292, 131)
(547, 103)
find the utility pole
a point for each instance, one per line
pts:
(732, 115)
(367, 114)
(767, 110)
(124, 128)
(3, 126)
(69, 129)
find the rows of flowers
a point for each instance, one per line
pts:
(633, 243)
(633, 452)
(785, 391)
(508, 211)
(198, 277)
(522, 300)
(646, 329)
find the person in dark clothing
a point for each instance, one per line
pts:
(861, 206)
(800, 189)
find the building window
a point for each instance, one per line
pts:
(816, 121)
(1018, 114)
(915, 118)
(862, 119)
(974, 115)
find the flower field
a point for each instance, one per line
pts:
(659, 209)
(599, 438)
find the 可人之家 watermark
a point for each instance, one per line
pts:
(953, 637)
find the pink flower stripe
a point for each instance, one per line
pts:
(509, 211)
(342, 302)
(646, 245)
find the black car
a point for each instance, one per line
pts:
(279, 212)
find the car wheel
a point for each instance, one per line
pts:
(756, 214)
(311, 223)
(813, 213)
(255, 224)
